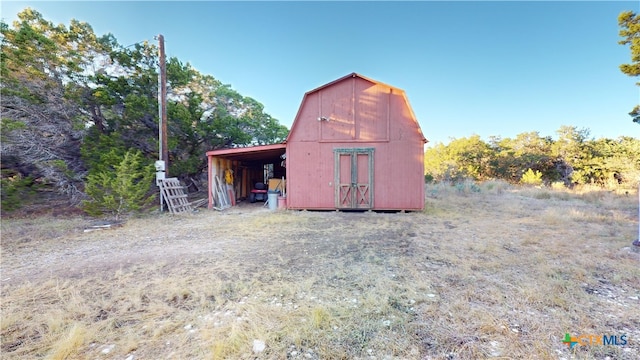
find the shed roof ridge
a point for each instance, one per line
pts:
(352, 75)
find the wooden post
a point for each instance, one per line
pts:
(210, 181)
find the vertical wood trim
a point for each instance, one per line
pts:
(356, 129)
(354, 179)
(209, 182)
(336, 177)
(371, 179)
(245, 182)
(287, 182)
(389, 97)
(219, 165)
(214, 172)
(320, 136)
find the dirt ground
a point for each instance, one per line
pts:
(248, 231)
(497, 273)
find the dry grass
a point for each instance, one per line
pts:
(490, 271)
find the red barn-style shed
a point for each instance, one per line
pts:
(355, 144)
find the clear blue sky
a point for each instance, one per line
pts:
(486, 68)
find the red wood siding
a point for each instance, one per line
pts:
(361, 113)
(308, 119)
(372, 111)
(310, 176)
(336, 104)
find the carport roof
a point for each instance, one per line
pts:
(252, 153)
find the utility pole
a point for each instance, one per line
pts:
(162, 165)
(164, 148)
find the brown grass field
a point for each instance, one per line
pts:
(486, 271)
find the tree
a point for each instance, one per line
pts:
(68, 97)
(574, 158)
(531, 177)
(616, 161)
(527, 151)
(202, 113)
(120, 186)
(42, 77)
(46, 72)
(629, 23)
(460, 159)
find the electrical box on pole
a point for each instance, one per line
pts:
(160, 171)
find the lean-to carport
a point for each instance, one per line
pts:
(247, 164)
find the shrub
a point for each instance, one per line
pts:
(121, 187)
(495, 186)
(466, 187)
(13, 189)
(531, 177)
(542, 195)
(428, 178)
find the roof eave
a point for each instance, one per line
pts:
(246, 150)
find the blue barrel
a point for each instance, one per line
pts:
(273, 200)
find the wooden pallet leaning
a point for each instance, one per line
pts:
(174, 196)
(220, 196)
